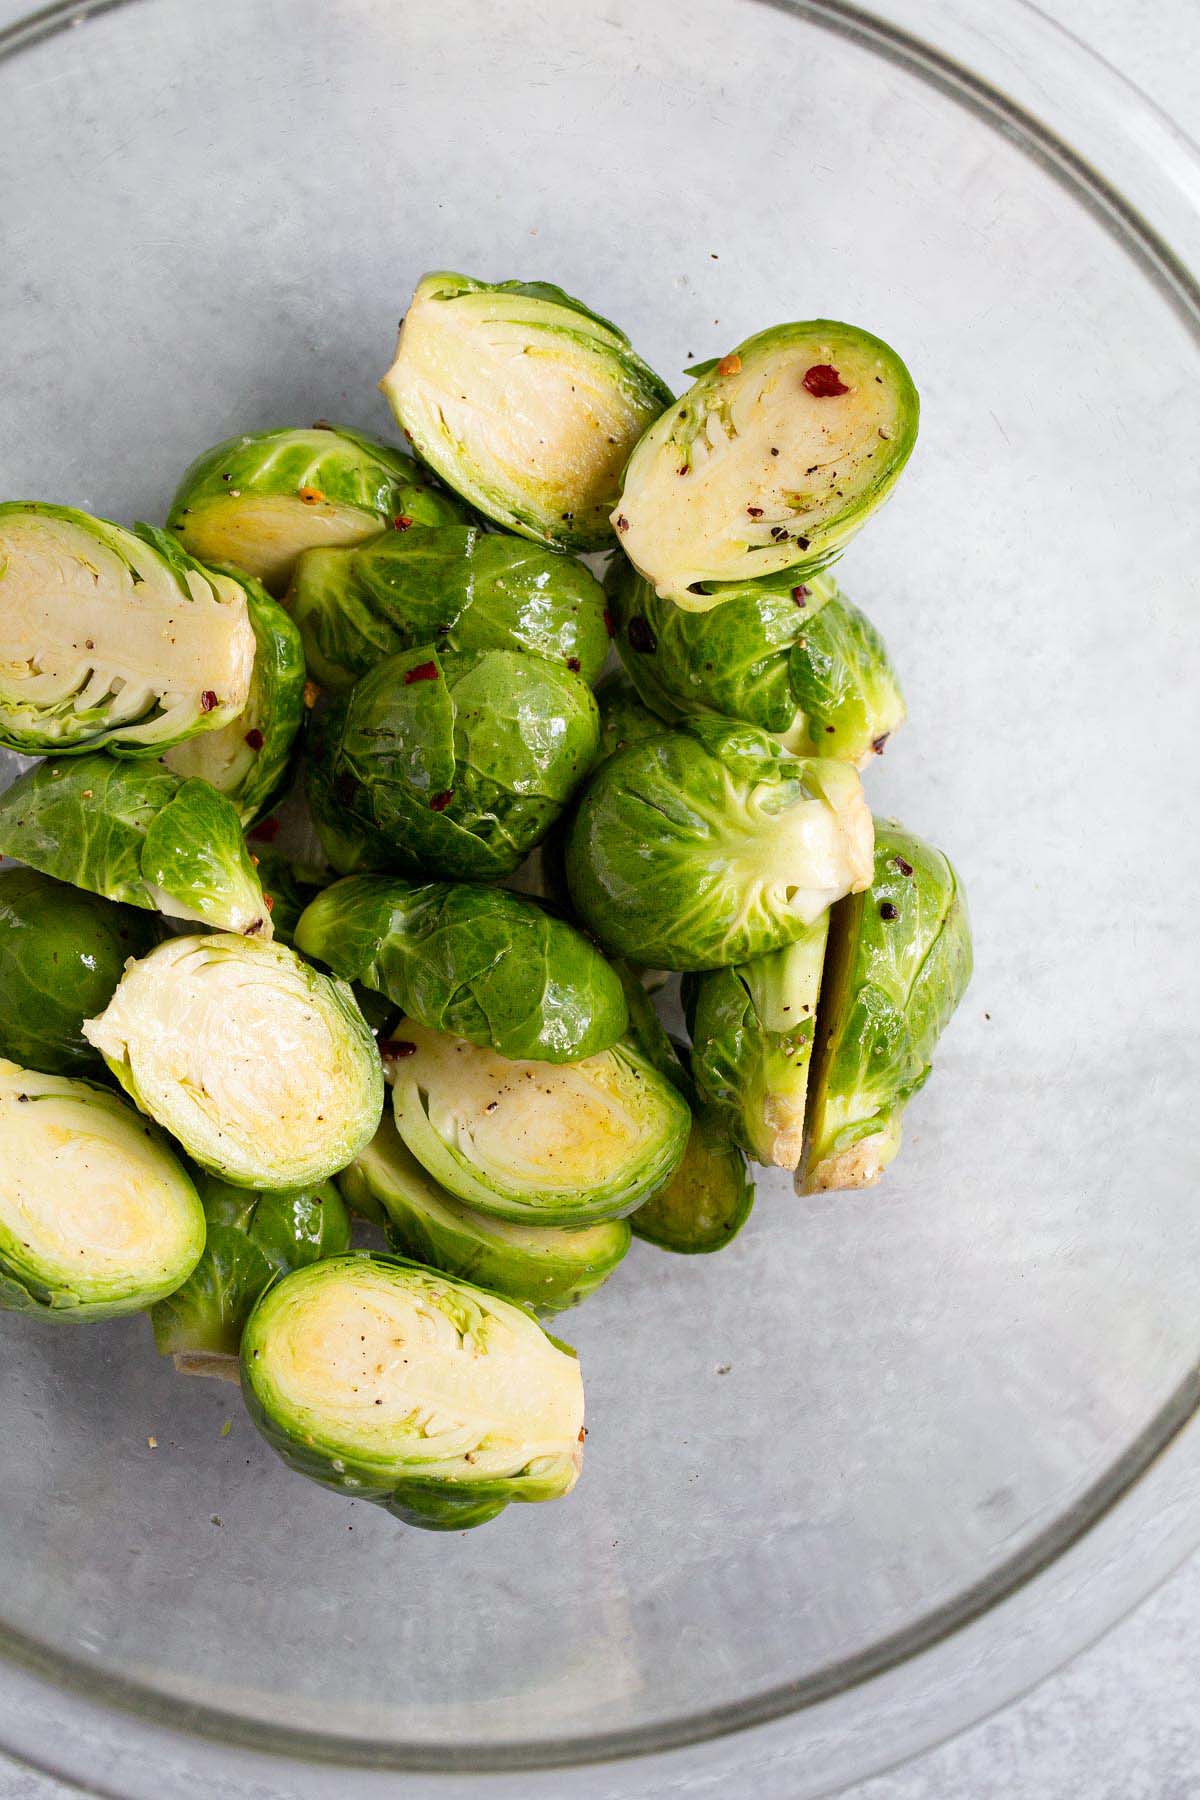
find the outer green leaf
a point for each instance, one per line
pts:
(624, 718)
(708, 1199)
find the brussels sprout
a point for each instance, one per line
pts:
(428, 1396)
(469, 589)
(285, 890)
(794, 658)
(752, 1030)
(450, 765)
(257, 501)
(898, 964)
(546, 1266)
(556, 1144)
(61, 956)
(112, 637)
(772, 460)
(523, 401)
(706, 1201)
(135, 832)
(482, 963)
(624, 717)
(97, 1217)
(263, 1069)
(697, 849)
(248, 759)
(252, 1238)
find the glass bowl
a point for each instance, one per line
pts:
(891, 1455)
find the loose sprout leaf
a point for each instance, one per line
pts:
(524, 401)
(97, 1216)
(196, 866)
(111, 638)
(482, 963)
(399, 1385)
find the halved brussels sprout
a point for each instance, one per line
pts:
(97, 1217)
(794, 658)
(708, 1199)
(258, 500)
(450, 765)
(61, 956)
(263, 1068)
(523, 401)
(428, 1396)
(559, 1144)
(624, 718)
(468, 589)
(252, 1238)
(477, 961)
(752, 1029)
(112, 637)
(898, 964)
(546, 1266)
(135, 832)
(701, 848)
(248, 759)
(772, 460)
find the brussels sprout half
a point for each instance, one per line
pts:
(698, 849)
(396, 1384)
(135, 832)
(772, 460)
(61, 956)
(248, 759)
(523, 401)
(450, 765)
(264, 1069)
(258, 500)
(477, 961)
(898, 964)
(97, 1217)
(794, 658)
(752, 1030)
(252, 1238)
(559, 1144)
(546, 1266)
(468, 589)
(112, 638)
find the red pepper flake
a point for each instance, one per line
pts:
(888, 911)
(684, 469)
(878, 743)
(774, 451)
(401, 522)
(608, 623)
(441, 801)
(269, 902)
(392, 1049)
(730, 365)
(823, 382)
(902, 863)
(802, 541)
(800, 594)
(207, 700)
(779, 533)
(312, 694)
(641, 638)
(311, 496)
(426, 671)
(756, 512)
(574, 664)
(255, 738)
(265, 832)
(622, 523)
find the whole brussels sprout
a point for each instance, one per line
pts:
(546, 1266)
(264, 1069)
(708, 1199)
(112, 638)
(468, 589)
(61, 956)
(133, 831)
(252, 1238)
(697, 849)
(549, 1143)
(395, 1384)
(523, 401)
(794, 658)
(752, 1030)
(97, 1217)
(258, 500)
(624, 717)
(772, 460)
(248, 759)
(450, 765)
(482, 963)
(898, 964)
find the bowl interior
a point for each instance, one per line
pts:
(873, 1411)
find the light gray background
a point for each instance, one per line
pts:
(1123, 1721)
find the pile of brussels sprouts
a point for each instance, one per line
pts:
(331, 797)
